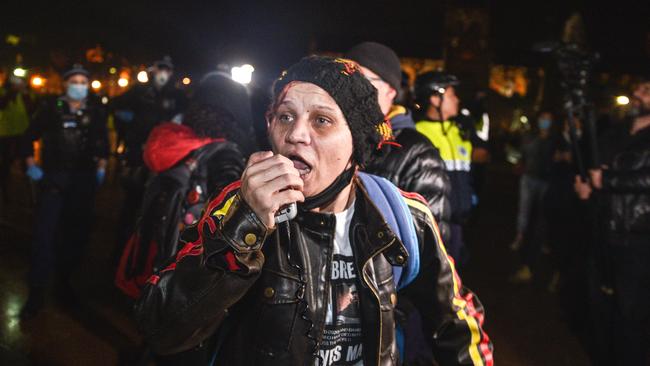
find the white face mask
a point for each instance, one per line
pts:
(161, 78)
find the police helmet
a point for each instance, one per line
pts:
(432, 82)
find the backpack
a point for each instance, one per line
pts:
(386, 196)
(388, 199)
(173, 199)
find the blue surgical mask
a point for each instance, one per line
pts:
(544, 123)
(77, 91)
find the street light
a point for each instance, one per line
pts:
(20, 72)
(96, 84)
(143, 77)
(186, 81)
(123, 82)
(622, 100)
(242, 74)
(37, 81)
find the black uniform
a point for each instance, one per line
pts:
(626, 216)
(150, 107)
(72, 144)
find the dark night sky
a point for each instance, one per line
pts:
(270, 35)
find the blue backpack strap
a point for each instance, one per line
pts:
(379, 199)
(397, 214)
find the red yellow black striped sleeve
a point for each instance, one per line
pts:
(452, 315)
(184, 303)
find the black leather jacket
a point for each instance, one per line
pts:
(627, 184)
(235, 274)
(416, 166)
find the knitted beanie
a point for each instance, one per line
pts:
(380, 59)
(354, 95)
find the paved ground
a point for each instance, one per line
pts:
(526, 323)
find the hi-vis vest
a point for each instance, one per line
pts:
(14, 119)
(446, 136)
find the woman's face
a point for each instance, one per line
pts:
(308, 127)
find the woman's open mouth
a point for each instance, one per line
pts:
(303, 167)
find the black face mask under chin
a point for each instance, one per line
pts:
(329, 193)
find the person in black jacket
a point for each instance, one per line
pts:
(414, 164)
(317, 288)
(74, 152)
(219, 111)
(147, 105)
(141, 109)
(214, 131)
(625, 185)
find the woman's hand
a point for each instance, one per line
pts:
(270, 182)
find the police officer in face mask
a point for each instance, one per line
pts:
(146, 105)
(74, 150)
(140, 109)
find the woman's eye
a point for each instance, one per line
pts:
(322, 121)
(285, 118)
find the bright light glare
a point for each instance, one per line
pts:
(622, 100)
(523, 119)
(186, 81)
(96, 84)
(242, 74)
(122, 82)
(37, 81)
(143, 77)
(20, 72)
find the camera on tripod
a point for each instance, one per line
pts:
(575, 65)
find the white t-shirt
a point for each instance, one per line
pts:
(342, 336)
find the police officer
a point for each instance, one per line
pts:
(435, 94)
(146, 105)
(142, 108)
(72, 128)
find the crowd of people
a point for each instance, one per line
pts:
(338, 245)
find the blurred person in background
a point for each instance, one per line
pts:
(140, 109)
(16, 106)
(624, 185)
(74, 137)
(439, 105)
(537, 156)
(412, 163)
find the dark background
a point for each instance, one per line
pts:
(272, 34)
(529, 325)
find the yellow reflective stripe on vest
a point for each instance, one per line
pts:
(456, 152)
